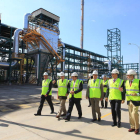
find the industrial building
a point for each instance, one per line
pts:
(26, 53)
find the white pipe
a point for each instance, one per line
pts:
(63, 55)
(37, 66)
(16, 42)
(26, 22)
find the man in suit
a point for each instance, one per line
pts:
(116, 93)
(95, 93)
(46, 94)
(63, 91)
(75, 96)
(133, 100)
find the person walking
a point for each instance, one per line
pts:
(116, 93)
(63, 91)
(75, 96)
(95, 93)
(46, 94)
(133, 100)
(105, 81)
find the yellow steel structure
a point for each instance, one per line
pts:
(33, 37)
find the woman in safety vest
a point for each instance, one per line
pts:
(105, 82)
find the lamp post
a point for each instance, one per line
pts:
(139, 55)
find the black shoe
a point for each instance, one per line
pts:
(52, 112)
(93, 120)
(119, 125)
(57, 116)
(114, 124)
(63, 115)
(66, 119)
(37, 114)
(79, 117)
(99, 119)
(89, 105)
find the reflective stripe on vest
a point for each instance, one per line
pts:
(45, 87)
(75, 86)
(134, 88)
(62, 87)
(114, 92)
(94, 88)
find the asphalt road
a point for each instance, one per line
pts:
(17, 121)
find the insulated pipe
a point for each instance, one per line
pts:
(15, 50)
(16, 42)
(63, 55)
(7, 64)
(37, 56)
(26, 22)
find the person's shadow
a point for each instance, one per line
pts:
(123, 124)
(75, 119)
(4, 125)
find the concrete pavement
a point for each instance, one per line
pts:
(19, 123)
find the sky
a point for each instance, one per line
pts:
(99, 15)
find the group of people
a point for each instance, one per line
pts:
(115, 90)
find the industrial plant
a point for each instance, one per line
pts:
(25, 54)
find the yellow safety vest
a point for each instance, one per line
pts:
(133, 89)
(94, 88)
(114, 93)
(62, 87)
(45, 87)
(75, 86)
(105, 83)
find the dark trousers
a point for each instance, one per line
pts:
(102, 102)
(116, 110)
(89, 101)
(77, 102)
(49, 100)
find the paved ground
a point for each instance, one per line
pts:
(17, 122)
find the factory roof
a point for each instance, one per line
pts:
(7, 30)
(46, 13)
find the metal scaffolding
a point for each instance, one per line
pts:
(90, 61)
(114, 47)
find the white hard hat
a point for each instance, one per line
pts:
(104, 75)
(114, 71)
(74, 74)
(45, 73)
(62, 74)
(90, 75)
(95, 72)
(131, 72)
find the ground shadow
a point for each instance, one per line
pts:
(70, 133)
(75, 119)
(104, 122)
(4, 125)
